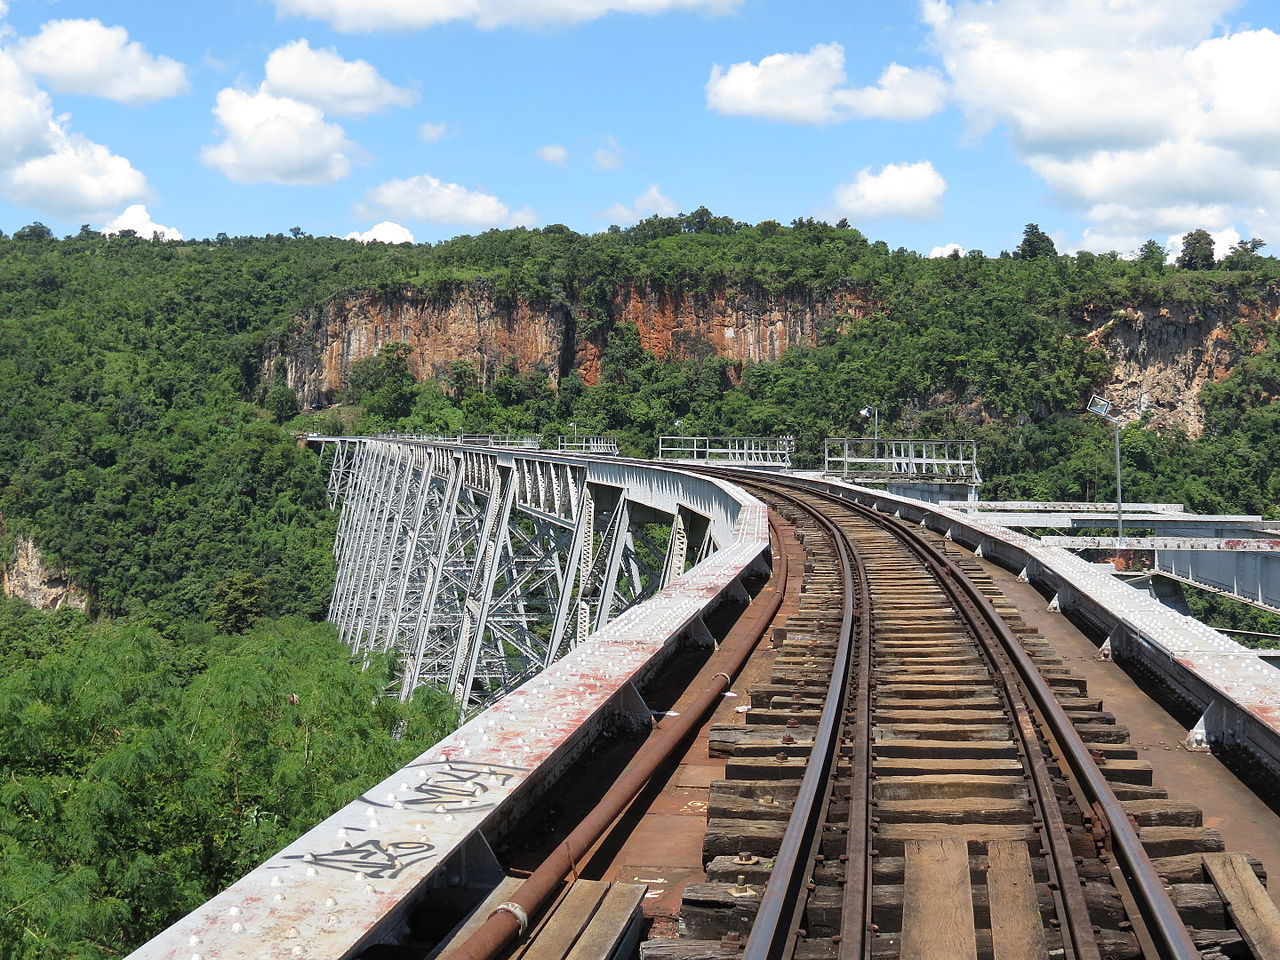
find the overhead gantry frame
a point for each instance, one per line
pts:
(479, 567)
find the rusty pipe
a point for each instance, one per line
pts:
(511, 920)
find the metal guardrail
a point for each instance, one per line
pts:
(876, 459)
(730, 451)
(529, 441)
(600, 446)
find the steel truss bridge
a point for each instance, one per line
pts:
(542, 588)
(480, 567)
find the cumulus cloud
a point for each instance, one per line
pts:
(553, 153)
(45, 165)
(325, 80)
(912, 190)
(362, 16)
(1146, 118)
(277, 140)
(136, 218)
(647, 204)
(88, 57)
(26, 115)
(78, 177)
(430, 200)
(810, 88)
(946, 250)
(384, 232)
(431, 132)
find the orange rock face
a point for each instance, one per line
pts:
(472, 326)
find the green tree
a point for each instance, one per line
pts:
(237, 602)
(1035, 244)
(1243, 255)
(282, 403)
(1152, 254)
(1197, 251)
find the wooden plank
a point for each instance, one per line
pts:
(614, 931)
(558, 933)
(938, 902)
(1017, 932)
(1255, 916)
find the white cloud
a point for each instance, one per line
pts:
(900, 93)
(277, 140)
(429, 200)
(88, 57)
(553, 153)
(323, 79)
(136, 218)
(608, 157)
(946, 250)
(78, 177)
(362, 16)
(26, 115)
(431, 132)
(912, 190)
(384, 232)
(1145, 118)
(647, 204)
(46, 166)
(810, 88)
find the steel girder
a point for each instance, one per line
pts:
(477, 568)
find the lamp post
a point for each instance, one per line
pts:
(874, 413)
(1102, 408)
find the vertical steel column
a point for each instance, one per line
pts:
(427, 616)
(569, 582)
(616, 542)
(483, 573)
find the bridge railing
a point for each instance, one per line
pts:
(729, 451)
(872, 459)
(600, 446)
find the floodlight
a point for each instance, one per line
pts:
(1099, 406)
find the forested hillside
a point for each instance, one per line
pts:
(200, 714)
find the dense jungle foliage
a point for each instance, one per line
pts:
(202, 716)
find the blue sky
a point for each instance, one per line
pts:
(925, 124)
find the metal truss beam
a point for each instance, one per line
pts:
(477, 567)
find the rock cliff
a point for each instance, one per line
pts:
(473, 325)
(1161, 354)
(27, 577)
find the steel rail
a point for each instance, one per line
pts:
(1082, 945)
(777, 925)
(1158, 910)
(513, 918)
(1158, 913)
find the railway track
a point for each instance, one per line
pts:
(916, 780)
(918, 777)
